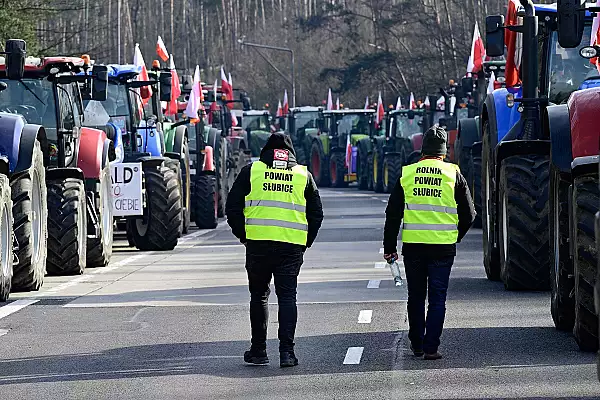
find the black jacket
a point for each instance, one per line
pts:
(395, 212)
(241, 188)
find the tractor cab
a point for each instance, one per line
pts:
(303, 127)
(402, 126)
(257, 125)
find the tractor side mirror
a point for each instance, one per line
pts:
(164, 81)
(99, 82)
(467, 84)
(15, 58)
(494, 39)
(571, 15)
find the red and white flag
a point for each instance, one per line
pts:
(348, 153)
(514, 45)
(477, 56)
(234, 120)
(279, 112)
(329, 101)
(175, 89)
(161, 49)
(440, 104)
(399, 103)
(380, 111)
(595, 37)
(226, 88)
(412, 102)
(286, 105)
(491, 86)
(138, 60)
(427, 103)
(367, 103)
(194, 102)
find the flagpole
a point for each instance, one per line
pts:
(119, 31)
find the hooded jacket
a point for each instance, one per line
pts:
(241, 188)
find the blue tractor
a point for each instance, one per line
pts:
(147, 188)
(516, 148)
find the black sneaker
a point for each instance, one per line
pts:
(433, 356)
(256, 357)
(287, 359)
(416, 351)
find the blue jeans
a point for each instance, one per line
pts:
(427, 277)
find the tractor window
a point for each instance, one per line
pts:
(306, 120)
(568, 70)
(407, 127)
(355, 124)
(34, 100)
(66, 107)
(256, 122)
(114, 109)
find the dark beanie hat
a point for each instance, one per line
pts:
(434, 141)
(278, 140)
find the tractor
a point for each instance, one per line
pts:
(572, 127)
(77, 179)
(146, 183)
(301, 124)
(516, 149)
(257, 125)
(337, 145)
(393, 150)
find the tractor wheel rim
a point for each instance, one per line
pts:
(505, 225)
(107, 215)
(5, 241)
(36, 218)
(375, 169)
(555, 239)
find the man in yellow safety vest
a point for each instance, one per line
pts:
(433, 204)
(275, 210)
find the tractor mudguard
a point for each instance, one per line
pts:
(11, 129)
(501, 117)
(169, 136)
(585, 165)
(468, 132)
(108, 153)
(92, 156)
(585, 131)
(64, 173)
(29, 135)
(510, 148)
(556, 125)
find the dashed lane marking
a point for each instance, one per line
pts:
(373, 284)
(353, 355)
(380, 265)
(364, 317)
(15, 306)
(381, 250)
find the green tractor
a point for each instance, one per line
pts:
(334, 155)
(257, 125)
(301, 124)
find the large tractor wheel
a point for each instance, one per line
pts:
(160, 227)
(491, 256)
(337, 170)
(377, 171)
(475, 185)
(6, 239)
(362, 164)
(67, 227)
(99, 249)
(30, 224)
(205, 202)
(186, 186)
(524, 235)
(586, 198)
(562, 304)
(392, 171)
(176, 168)
(318, 165)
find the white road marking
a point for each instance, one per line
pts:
(373, 284)
(353, 355)
(374, 198)
(380, 265)
(364, 317)
(384, 201)
(15, 306)
(381, 250)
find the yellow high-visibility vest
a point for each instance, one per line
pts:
(275, 208)
(430, 212)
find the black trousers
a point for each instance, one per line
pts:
(266, 260)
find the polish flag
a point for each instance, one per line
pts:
(380, 111)
(194, 102)
(477, 56)
(412, 102)
(175, 89)
(440, 104)
(234, 120)
(427, 103)
(399, 103)
(514, 46)
(595, 37)
(367, 103)
(348, 153)
(138, 60)
(490, 87)
(329, 101)
(286, 105)
(279, 112)
(161, 49)
(226, 88)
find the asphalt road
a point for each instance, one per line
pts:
(174, 325)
